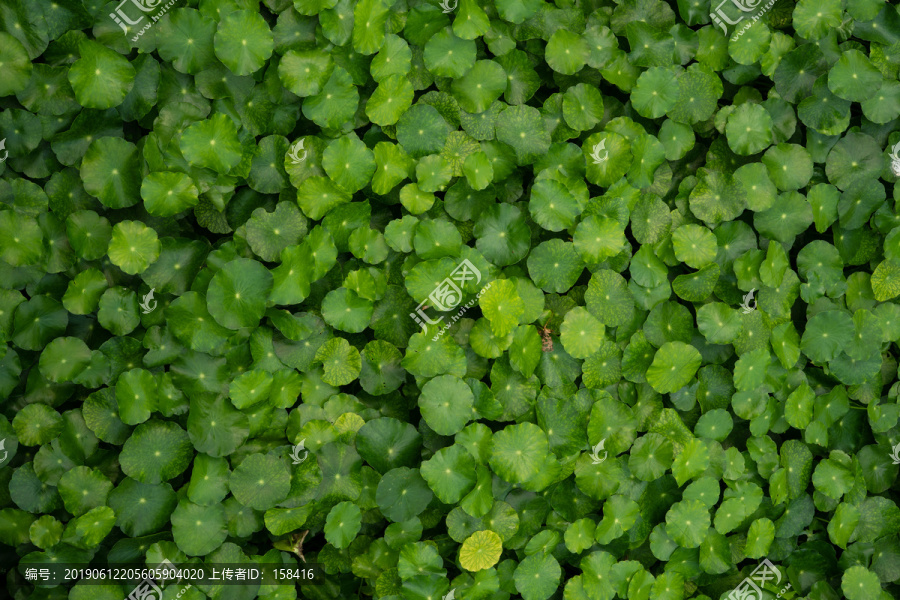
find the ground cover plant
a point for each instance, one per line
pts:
(481, 299)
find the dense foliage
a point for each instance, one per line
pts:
(675, 349)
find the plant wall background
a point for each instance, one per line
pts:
(672, 353)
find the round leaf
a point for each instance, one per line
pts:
(480, 551)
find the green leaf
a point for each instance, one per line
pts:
(480, 551)
(853, 77)
(554, 265)
(186, 40)
(694, 245)
(133, 246)
(698, 90)
(243, 41)
(198, 530)
(168, 193)
(212, 144)
(342, 524)
(110, 171)
(655, 93)
(759, 538)
(349, 163)
(608, 298)
(83, 489)
(343, 309)
(502, 235)
(537, 576)
(137, 396)
(238, 293)
(718, 323)
(566, 52)
(798, 408)
(368, 26)
(305, 72)
(691, 462)
(687, 522)
(157, 451)
(885, 282)
(64, 359)
(260, 481)
(450, 473)
(381, 372)
(341, 362)
(826, 334)
(673, 367)
(552, 206)
(402, 494)
(598, 238)
(446, 404)
(618, 158)
(142, 508)
(650, 457)
(100, 78)
(519, 452)
(833, 476)
(522, 128)
(858, 582)
(36, 424)
(749, 129)
(789, 165)
(581, 333)
(18, 67)
(88, 530)
(390, 100)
